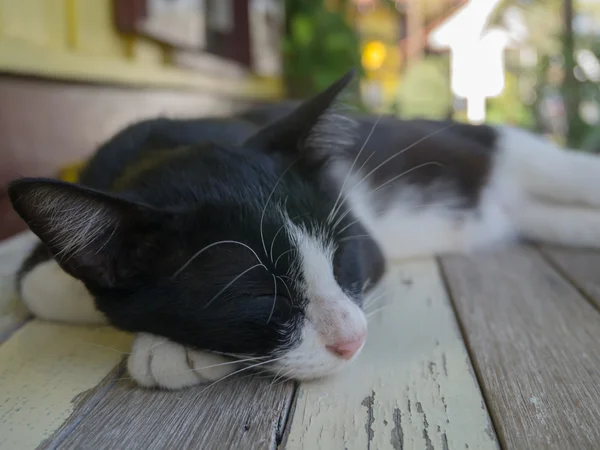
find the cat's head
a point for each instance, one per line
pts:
(265, 263)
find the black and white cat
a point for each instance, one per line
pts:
(218, 239)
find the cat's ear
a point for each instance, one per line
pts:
(313, 131)
(96, 237)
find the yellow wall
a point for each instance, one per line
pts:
(77, 40)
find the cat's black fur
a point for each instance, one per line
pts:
(170, 188)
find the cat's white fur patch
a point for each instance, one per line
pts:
(555, 192)
(330, 315)
(158, 362)
(546, 171)
(52, 294)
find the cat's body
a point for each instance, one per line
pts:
(261, 247)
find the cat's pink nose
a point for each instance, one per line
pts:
(347, 349)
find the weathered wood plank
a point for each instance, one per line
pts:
(43, 368)
(242, 413)
(412, 387)
(581, 266)
(535, 343)
(13, 312)
(84, 404)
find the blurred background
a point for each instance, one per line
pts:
(530, 63)
(72, 72)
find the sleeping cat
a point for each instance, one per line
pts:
(224, 243)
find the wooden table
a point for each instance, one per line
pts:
(498, 350)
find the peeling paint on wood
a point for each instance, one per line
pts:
(411, 388)
(368, 403)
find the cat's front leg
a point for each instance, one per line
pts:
(158, 362)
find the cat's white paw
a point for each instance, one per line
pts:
(52, 294)
(158, 362)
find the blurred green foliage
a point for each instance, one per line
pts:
(590, 92)
(318, 47)
(425, 89)
(508, 107)
(591, 140)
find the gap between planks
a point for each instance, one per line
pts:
(534, 341)
(477, 370)
(579, 266)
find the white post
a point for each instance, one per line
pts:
(476, 109)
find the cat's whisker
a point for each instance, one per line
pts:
(195, 255)
(279, 231)
(348, 226)
(373, 191)
(284, 377)
(158, 344)
(261, 373)
(237, 355)
(372, 302)
(370, 314)
(195, 369)
(333, 209)
(340, 205)
(105, 347)
(362, 166)
(406, 172)
(227, 363)
(342, 217)
(375, 296)
(241, 370)
(417, 142)
(274, 298)
(278, 372)
(291, 298)
(280, 256)
(262, 216)
(231, 282)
